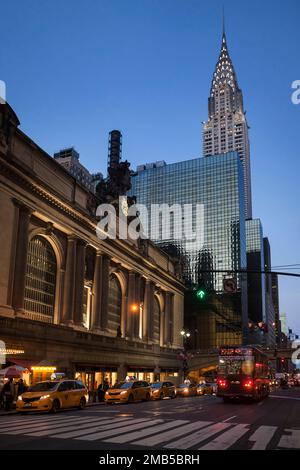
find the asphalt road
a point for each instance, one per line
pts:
(192, 423)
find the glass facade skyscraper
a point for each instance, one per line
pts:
(216, 183)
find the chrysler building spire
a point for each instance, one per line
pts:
(226, 128)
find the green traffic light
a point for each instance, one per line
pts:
(200, 294)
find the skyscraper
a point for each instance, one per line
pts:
(226, 128)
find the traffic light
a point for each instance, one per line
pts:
(201, 294)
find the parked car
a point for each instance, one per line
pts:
(128, 392)
(186, 390)
(160, 390)
(52, 396)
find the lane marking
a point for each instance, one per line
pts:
(154, 430)
(197, 437)
(291, 441)
(228, 419)
(262, 437)
(284, 398)
(167, 436)
(226, 439)
(113, 432)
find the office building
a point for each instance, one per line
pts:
(216, 183)
(226, 128)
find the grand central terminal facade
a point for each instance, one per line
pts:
(70, 302)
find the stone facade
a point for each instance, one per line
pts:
(75, 322)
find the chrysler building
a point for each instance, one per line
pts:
(226, 128)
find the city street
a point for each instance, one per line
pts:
(192, 423)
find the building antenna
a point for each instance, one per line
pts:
(223, 20)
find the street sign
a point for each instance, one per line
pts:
(229, 285)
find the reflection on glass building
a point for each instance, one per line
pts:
(215, 183)
(255, 261)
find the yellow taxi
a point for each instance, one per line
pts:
(160, 390)
(186, 390)
(128, 392)
(52, 396)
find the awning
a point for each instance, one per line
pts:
(23, 363)
(14, 372)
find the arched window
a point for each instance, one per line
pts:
(156, 320)
(114, 304)
(40, 280)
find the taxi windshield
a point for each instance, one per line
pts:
(43, 387)
(156, 385)
(183, 385)
(123, 385)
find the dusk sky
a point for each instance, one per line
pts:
(74, 70)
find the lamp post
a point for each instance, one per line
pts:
(186, 335)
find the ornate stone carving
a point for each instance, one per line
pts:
(8, 124)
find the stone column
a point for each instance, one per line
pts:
(69, 285)
(97, 290)
(104, 291)
(131, 301)
(148, 310)
(171, 319)
(21, 257)
(167, 319)
(79, 282)
(137, 315)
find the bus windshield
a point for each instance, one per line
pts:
(236, 366)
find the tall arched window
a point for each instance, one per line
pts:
(40, 280)
(114, 304)
(156, 320)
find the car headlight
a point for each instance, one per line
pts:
(123, 393)
(186, 390)
(43, 397)
(19, 398)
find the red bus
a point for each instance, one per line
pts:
(243, 371)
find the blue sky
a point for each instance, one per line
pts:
(74, 70)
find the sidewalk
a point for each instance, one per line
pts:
(13, 412)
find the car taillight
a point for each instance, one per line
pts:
(222, 383)
(248, 383)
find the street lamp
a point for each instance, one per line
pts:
(134, 308)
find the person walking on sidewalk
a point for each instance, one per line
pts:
(9, 393)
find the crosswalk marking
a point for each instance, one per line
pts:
(290, 441)
(262, 436)
(226, 439)
(38, 423)
(153, 430)
(197, 437)
(113, 432)
(92, 430)
(33, 420)
(41, 427)
(167, 436)
(68, 427)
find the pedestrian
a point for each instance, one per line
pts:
(105, 385)
(9, 393)
(100, 392)
(22, 387)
